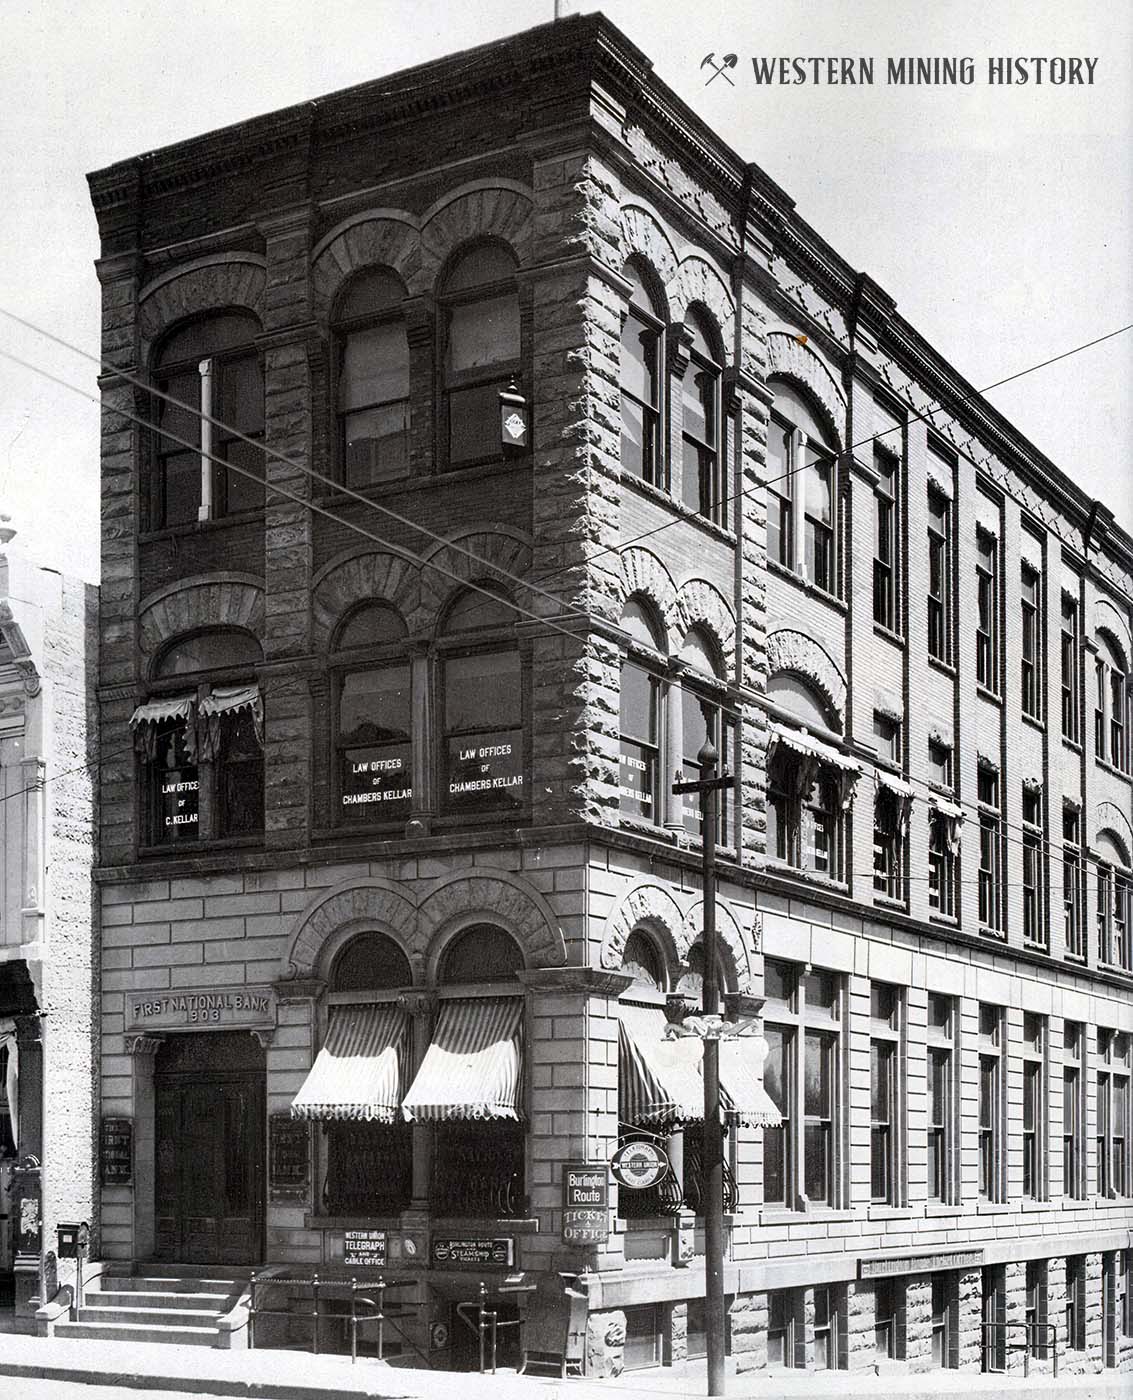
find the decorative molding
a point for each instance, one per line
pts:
(490, 896)
(144, 1045)
(793, 651)
(651, 907)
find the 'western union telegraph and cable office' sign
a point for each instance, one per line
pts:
(204, 1007)
(920, 1263)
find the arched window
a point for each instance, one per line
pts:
(482, 953)
(640, 715)
(1111, 705)
(370, 961)
(702, 486)
(705, 718)
(482, 704)
(373, 747)
(801, 459)
(642, 962)
(640, 376)
(1114, 879)
(211, 367)
(201, 737)
(373, 380)
(481, 349)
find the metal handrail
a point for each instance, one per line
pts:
(486, 1327)
(1027, 1346)
(320, 1287)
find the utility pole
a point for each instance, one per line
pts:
(708, 785)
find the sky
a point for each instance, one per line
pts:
(1000, 218)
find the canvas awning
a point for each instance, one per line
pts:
(473, 1068)
(659, 1082)
(228, 700)
(741, 1082)
(146, 718)
(357, 1075)
(953, 819)
(806, 746)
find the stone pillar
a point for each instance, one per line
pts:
(748, 1326)
(424, 798)
(918, 1323)
(1094, 1315)
(860, 1348)
(970, 1321)
(143, 1049)
(1015, 1285)
(421, 1008)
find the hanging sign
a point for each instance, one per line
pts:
(639, 1165)
(586, 1196)
(498, 1252)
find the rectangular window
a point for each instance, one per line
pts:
(1072, 883)
(1073, 1111)
(640, 375)
(819, 519)
(942, 864)
(639, 725)
(778, 1167)
(991, 1079)
(943, 1290)
(886, 539)
(991, 852)
(885, 1092)
(1125, 1298)
(700, 426)
(1105, 913)
(483, 755)
(1118, 722)
(1031, 676)
(1075, 1316)
(940, 764)
(889, 810)
(1100, 708)
(702, 719)
(1112, 1113)
(1034, 1106)
(1034, 1306)
(780, 1329)
(1071, 705)
(885, 1319)
(1034, 883)
(1113, 918)
(941, 1097)
(987, 611)
(373, 743)
(939, 576)
(825, 1329)
(819, 1064)
(780, 493)
(643, 1337)
(887, 737)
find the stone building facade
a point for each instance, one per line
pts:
(48, 1090)
(388, 746)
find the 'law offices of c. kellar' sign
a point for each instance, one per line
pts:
(180, 798)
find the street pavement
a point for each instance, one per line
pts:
(32, 1368)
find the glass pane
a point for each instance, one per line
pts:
(816, 1164)
(243, 489)
(474, 423)
(775, 1076)
(483, 690)
(240, 779)
(371, 625)
(210, 651)
(778, 981)
(485, 770)
(483, 333)
(637, 779)
(881, 1063)
(822, 992)
(181, 487)
(480, 267)
(239, 394)
(177, 790)
(819, 497)
(375, 367)
(940, 1013)
(182, 423)
(639, 360)
(638, 706)
(374, 706)
(376, 444)
(634, 449)
(938, 1087)
(774, 1165)
(816, 1076)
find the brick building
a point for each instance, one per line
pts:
(48, 635)
(393, 886)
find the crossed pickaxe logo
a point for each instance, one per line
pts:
(719, 70)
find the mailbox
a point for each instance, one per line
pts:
(73, 1240)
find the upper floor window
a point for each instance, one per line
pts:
(211, 368)
(1070, 651)
(481, 350)
(201, 737)
(640, 718)
(987, 611)
(940, 763)
(943, 463)
(886, 1084)
(1031, 660)
(702, 487)
(991, 852)
(373, 713)
(1115, 894)
(943, 1081)
(640, 376)
(1111, 705)
(992, 1083)
(886, 538)
(801, 460)
(705, 717)
(481, 683)
(1034, 1106)
(1112, 1115)
(1073, 1110)
(1034, 869)
(1072, 885)
(373, 380)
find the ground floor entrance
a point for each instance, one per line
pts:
(209, 1149)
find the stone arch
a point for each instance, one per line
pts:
(731, 940)
(375, 238)
(1107, 617)
(643, 235)
(501, 208)
(790, 650)
(493, 552)
(489, 896)
(1109, 814)
(357, 575)
(205, 284)
(799, 362)
(350, 907)
(644, 906)
(198, 604)
(644, 573)
(698, 283)
(699, 604)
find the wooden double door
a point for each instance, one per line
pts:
(209, 1149)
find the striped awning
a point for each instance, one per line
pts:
(357, 1075)
(659, 1080)
(806, 745)
(473, 1068)
(741, 1082)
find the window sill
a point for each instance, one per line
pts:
(938, 1209)
(1115, 969)
(805, 584)
(887, 634)
(819, 1215)
(1034, 947)
(1075, 1203)
(1029, 1205)
(196, 848)
(795, 872)
(996, 934)
(1108, 767)
(1034, 722)
(994, 1207)
(880, 1211)
(946, 668)
(944, 920)
(989, 695)
(1074, 745)
(195, 527)
(886, 901)
(363, 830)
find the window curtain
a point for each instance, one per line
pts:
(11, 1083)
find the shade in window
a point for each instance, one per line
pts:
(1070, 674)
(704, 719)
(987, 610)
(639, 719)
(939, 576)
(481, 953)
(640, 380)
(700, 427)
(210, 367)
(1030, 662)
(801, 460)
(373, 380)
(481, 349)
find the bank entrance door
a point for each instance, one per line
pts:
(209, 1149)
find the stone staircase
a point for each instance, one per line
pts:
(190, 1306)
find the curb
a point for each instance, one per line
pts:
(195, 1385)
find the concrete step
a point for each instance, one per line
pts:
(93, 1311)
(137, 1298)
(175, 1283)
(136, 1332)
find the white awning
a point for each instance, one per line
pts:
(659, 1080)
(167, 708)
(473, 1067)
(228, 700)
(896, 785)
(741, 1081)
(808, 746)
(946, 808)
(357, 1075)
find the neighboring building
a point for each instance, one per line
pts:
(380, 827)
(48, 636)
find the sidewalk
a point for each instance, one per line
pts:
(292, 1375)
